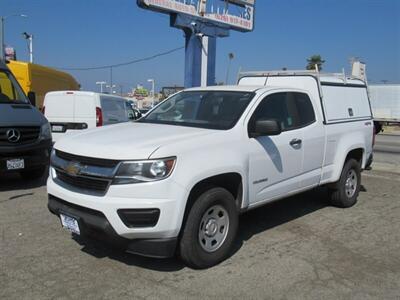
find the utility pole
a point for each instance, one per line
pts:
(2, 39)
(29, 37)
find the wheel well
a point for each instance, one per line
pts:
(356, 154)
(232, 182)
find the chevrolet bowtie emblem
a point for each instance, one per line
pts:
(73, 168)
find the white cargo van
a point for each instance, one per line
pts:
(72, 111)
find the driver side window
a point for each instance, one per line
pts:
(291, 109)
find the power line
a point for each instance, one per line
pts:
(124, 63)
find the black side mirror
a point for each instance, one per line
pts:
(266, 127)
(32, 98)
(138, 114)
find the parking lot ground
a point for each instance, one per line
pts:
(296, 248)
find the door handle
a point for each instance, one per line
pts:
(295, 142)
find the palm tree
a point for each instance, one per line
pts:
(315, 60)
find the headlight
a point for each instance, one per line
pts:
(45, 131)
(144, 171)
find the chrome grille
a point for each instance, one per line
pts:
(84, 173)
(28, 134)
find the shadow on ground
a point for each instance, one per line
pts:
(251, 223)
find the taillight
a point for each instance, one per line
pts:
(43, 109)
(99, 117)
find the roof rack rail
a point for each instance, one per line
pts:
(315, 73)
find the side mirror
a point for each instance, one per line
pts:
(32, 98)
(138, 114)
(266, 127)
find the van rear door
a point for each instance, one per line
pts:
(85, 110)
(59, 107)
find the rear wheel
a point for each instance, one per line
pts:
(33, 174)
(210, 229)
(346, 190)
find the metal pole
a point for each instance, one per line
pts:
(111, 80)
(31, 48)
(2, 38)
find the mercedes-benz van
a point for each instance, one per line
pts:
(25, 135)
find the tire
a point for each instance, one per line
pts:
(368, 165)
(347, 188)
(33, 174)
(210, 229)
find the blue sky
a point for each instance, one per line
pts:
(77, 33)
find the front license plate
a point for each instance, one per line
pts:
(15, 164)
(57, 128)
(70, 223)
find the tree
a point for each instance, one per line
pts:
(315, 60)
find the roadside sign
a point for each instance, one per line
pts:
(241, 18)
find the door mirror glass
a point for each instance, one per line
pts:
(32, 98)
(266, 127)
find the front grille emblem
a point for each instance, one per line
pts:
(73, 168)
(13, 135)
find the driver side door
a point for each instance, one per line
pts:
(275, 162)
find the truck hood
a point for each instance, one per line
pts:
(127, 141)
(20, 115)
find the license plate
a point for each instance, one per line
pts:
(15, 164)
(70, 223)
(57, 128)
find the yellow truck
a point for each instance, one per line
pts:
(41, 80)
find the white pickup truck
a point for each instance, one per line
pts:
(176, 180)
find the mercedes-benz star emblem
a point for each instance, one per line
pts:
(13, 135)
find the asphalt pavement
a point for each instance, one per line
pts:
(296, 248)
(387, 153)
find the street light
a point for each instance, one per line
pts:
(101, 83)
(230, 57)
(111, 87)
(152, 90)
(29, 37)
(2, 40)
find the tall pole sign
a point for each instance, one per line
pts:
(203, 21)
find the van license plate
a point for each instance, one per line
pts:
(57, 128)
(70, 223)
(15, 164)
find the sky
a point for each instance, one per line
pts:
(86, 33)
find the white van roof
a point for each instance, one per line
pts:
(82, 93)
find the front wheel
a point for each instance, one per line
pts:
(347, 188)
(210, 229)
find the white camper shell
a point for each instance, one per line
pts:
(73, 111)
(342, 98)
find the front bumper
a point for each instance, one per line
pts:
(35, 155)
(94, 224)
(166, 197)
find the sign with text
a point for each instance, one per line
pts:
(243, 20)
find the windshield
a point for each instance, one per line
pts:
(204, 109)
(10, 91)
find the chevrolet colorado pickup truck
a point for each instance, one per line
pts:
(176, 180)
